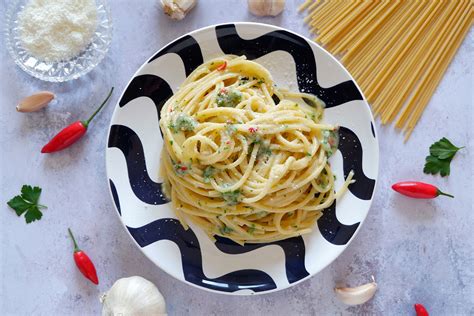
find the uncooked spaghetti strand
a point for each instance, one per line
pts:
(343, 13)
(306, 4)
(328, 20)
(373, 31)
(382, 44)
(393, 47)
(405, 79)
(323, 15)
(377, 84)
(373, 15)
(318, 9)
(434, 64)
(437, 75)
(353, 19)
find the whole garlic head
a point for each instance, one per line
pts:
(177, 9)
(133, 296)
(266, 7)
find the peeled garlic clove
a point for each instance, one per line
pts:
(356, 295)
(177, 9)
(35, 102)
(133, 296)
(266, 7)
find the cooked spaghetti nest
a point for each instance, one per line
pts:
(244, 159)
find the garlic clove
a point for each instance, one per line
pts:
(266, 7)
(35, 102)
(356, 295)
(177, 9)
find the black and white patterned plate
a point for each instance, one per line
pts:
(135, 143)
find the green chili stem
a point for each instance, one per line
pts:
(76, 248)
(446, 194)
(86, 123)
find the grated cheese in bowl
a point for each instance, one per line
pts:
(57, 30)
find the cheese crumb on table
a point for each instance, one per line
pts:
(57, 30)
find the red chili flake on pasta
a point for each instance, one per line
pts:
(222, 67)
(228, 142)
(223, 90)
(184, 168)
(252, 129)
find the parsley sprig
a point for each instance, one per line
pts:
(439, 160)
(27, 203)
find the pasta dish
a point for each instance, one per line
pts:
(244, 159)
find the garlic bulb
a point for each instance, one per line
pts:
(177, 9)
(266, 7)
(133, 296)
(356, 295)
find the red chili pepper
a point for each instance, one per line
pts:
(418, 190)
(72, 133)
(421, 310)
(83, 262)
(184, 168)
(223, 66)
(252, 129)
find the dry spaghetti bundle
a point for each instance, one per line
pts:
(396, 50)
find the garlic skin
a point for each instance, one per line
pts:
(133, 296)
(177, 9)
(266, 7)
(35, 101)
(356, 295)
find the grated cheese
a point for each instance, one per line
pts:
(57, 30)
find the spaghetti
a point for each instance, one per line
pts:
(406, 45)
(243, 159)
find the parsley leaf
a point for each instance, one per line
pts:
(434, 165)
(439, 160)
(27, 203)
(31, 194)
(443, 149)
(19, 205)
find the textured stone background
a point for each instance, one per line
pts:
(419, 251)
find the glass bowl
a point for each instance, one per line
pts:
(63, 70)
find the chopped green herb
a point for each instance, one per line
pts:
(264, 151)
(27, 203)
(254, 138)
(225, 230)
(183, 123)
(330, 141)
(231, 129)
(171, 142)
(232, 197)
(228, 97)
(251, 229)
(439, 160)
(308, 154)
(180, 169)
(208, 173)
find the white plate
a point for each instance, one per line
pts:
(135, 143)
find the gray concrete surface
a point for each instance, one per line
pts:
(418, 251)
